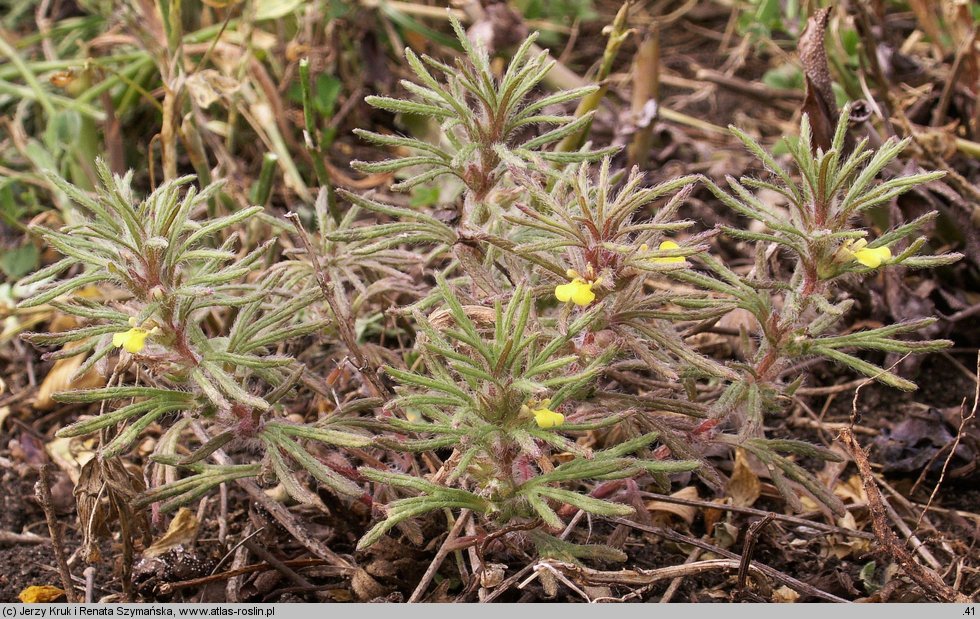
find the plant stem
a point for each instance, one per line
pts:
(311, 137)
(262, 189)
(43, 494)
(617, 35)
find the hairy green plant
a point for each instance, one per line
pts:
(361, 260)
(486, 124)
(162, 276)
(602, 245)
(593, 238)
(803, 254)
(553, 352)
(492, 386)
(489, 373)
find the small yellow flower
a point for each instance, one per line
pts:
(547, 418)
(578, 291)
(668, 245)
(873, 257)
(134, 340)
(860, 252)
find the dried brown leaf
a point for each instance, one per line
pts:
(684, 512)
(36, 594)
(819, 104)
(71, 454)
(209, 86)
(851, 490)
(784, 595)
(88, 494)
(104, 493)
(713, 516)
(744, 486)
(365, 586)
(59, 379)
(843, 546)
(182, 530)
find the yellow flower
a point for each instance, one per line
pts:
(133, 340)
(667, 245)
(547, 418)
(859, 251)
(578, 291)
(873, 258)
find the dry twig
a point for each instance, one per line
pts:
(772, 573)
(43, 493)
(8, 537)
(675, 584)
(639, 577)
(444, 550)
(758, 512)
(921, 575)
(748, 548)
